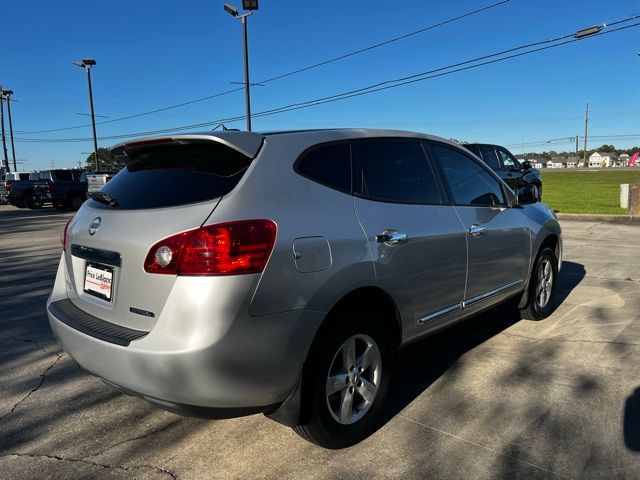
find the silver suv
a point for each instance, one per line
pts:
(223, 274)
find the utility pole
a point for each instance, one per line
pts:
(8, 94)
(4, 141)
(247, 95)
(577, 149)
(586, 134)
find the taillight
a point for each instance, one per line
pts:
(48, 188)
(63, 237)
(7, 186)
(231, 248)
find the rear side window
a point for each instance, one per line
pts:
(329, 165)
(488, 154)
(470, 184)
(173, 174)
(397, 172)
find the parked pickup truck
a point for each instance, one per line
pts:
(6, 179)
(62, 188)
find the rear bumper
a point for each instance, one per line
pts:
(241, 364)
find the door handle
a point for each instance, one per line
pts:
(476, 230)
(391, 237)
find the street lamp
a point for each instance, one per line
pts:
(250, 6)
(6, 94)
(87, 64)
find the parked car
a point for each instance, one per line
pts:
(285, 269)
(61, 187)
(96, 180)
(507, 166)
(6, 179)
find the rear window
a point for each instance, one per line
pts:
(177, 174)
(63, 175)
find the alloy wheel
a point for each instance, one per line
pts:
(353, 379)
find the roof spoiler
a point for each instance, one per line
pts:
(247, 143)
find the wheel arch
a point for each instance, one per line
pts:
(294, 410)
(553, 241)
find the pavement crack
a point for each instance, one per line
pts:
(570, 340)
(496, 451)
(139, 437)
(61, 458)
(29, 340)
(36, 388)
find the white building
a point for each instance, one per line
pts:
(598, 159)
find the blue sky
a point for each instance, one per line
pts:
(152, 54)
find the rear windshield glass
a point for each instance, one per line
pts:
(168, 175)
(63, 175)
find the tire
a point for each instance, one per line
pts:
(76, 203)
(542, 287)
(330, 425)
(32, 203)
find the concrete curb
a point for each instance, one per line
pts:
(630, 219)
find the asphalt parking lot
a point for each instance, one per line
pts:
(494, 397)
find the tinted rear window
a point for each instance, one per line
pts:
(397, 172)
(329, 165)
(63, 175)
(168, 175)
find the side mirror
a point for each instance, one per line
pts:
(527, 194)
(526, 165)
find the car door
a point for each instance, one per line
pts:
(498, 236)
(416, 239)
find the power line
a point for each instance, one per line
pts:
(283, 75)
(450, 69)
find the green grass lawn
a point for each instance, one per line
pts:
(574, 191)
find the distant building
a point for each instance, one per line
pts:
(598, 159)
(623, 160)
(537, 164)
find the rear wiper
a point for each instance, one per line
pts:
(104, 198)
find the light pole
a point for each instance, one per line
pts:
(4, 141)
(7, 96)
(249, 5)
(87, 64)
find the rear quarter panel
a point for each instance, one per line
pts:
(301, 208)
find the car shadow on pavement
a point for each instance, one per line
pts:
(631, 421)
(422, 363)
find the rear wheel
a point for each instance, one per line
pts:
(32, 203)
(542, 287)
(76, 203)
(348, 374)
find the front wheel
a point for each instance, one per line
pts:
(349, 374)
(542, 287)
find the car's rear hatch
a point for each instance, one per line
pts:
(169, 185)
